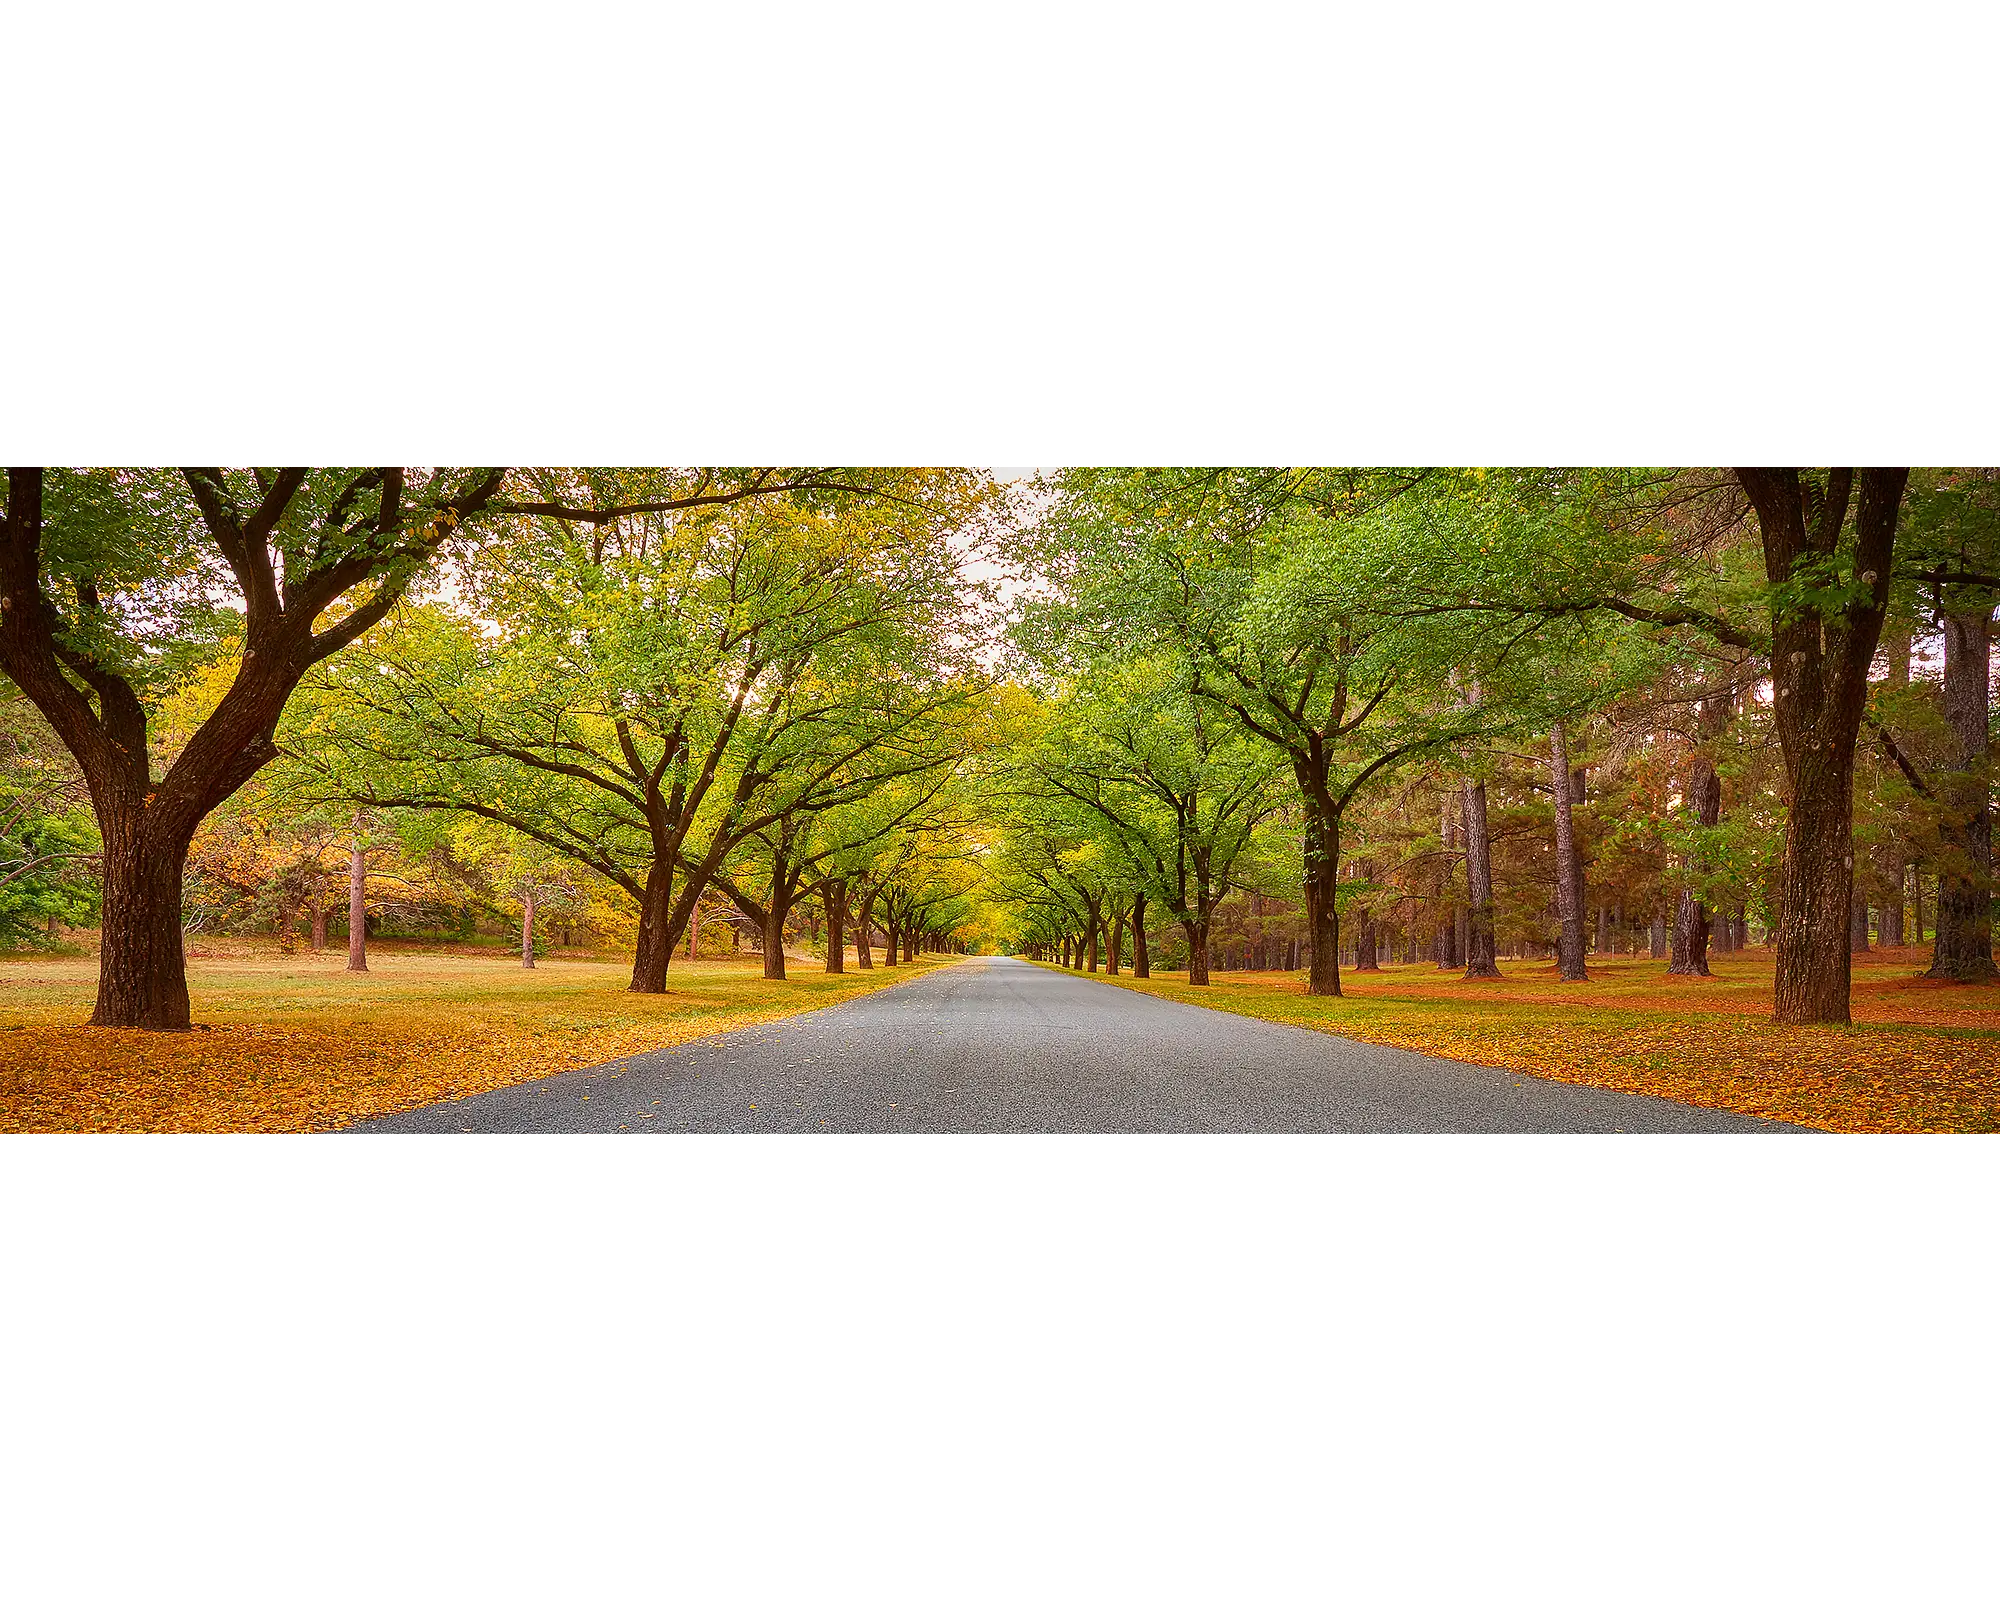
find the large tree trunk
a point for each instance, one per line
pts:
(528, 928)
(774, 939)
(1480, 955)
(1322, 884)
(320, 913)
(1857, 924)
(1820, 659)
(892, 939)
(1569, 869)
(910, 945)
(1964, 949)
(1197, 934)
(1656, 935)
(1114, 942)
(357, 907)
(1813, 959)
(655, 951)
(142, 969)
(1142, 961)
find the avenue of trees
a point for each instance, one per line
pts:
(1499, 707)
(1252, 717)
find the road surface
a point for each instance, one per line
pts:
(992, 1045)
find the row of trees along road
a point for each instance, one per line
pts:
(1389, 709)
(1386, 636)
(642, 670)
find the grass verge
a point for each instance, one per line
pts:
(300, 1045)
(1922, 1057)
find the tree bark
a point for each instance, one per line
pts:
(834, 896)
(1364, 941)
(1197, 934)
(1569, 870)
(528, 928)
(357, 904)
(864, 933)
(1114, 942)
(1322, 883)
(1964, 920)
(654, 953)
(319, 928)
(774, 937)
(1142, 961)
(1480, 955)
(142, 968)
(1820, 659)
(1889, 916)
(1693, 925)
(1897, 638)
(1857, 924)
(1813, 960)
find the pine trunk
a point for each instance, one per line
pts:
(1964, 949)
(1569, 870)
(1480, 955)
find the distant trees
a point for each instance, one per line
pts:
(48, 840)
(1157, 792)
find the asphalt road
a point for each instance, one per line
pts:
(998, 1046)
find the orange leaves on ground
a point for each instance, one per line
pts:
(1922, 1057)
(300, 1046)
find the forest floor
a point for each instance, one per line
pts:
(1922, 1056)
(298, 1044)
